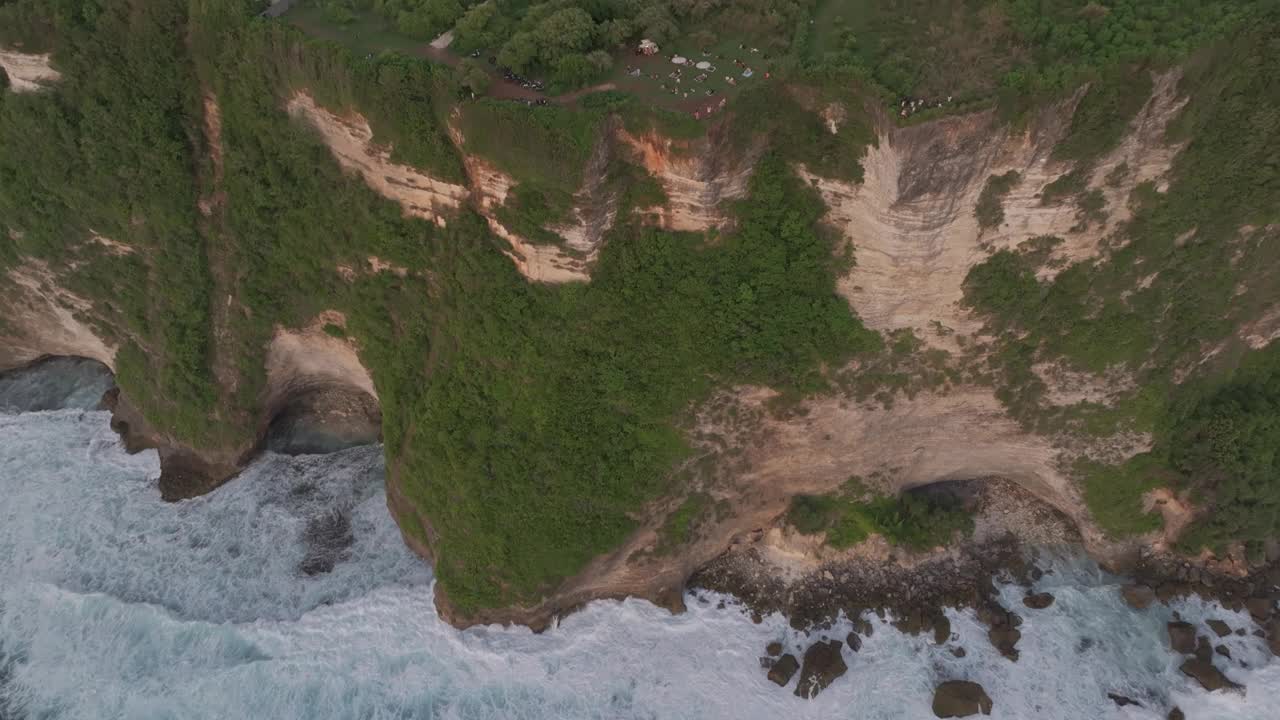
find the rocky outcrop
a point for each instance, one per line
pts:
(43, 318)
(1209, 677)
(783, 670)
(1182, 637)
(823, 663)
(700, 178)
(960, 698)
(350, 139)
(1138, 597)
(912, 224)
(28, 72)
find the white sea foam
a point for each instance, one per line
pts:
(116, 605)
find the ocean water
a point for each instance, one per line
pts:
(116, 605)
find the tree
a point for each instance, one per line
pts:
(473, 76)
(567, 31)
(519, 51)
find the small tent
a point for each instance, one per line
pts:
(704, 65)
(679, 60)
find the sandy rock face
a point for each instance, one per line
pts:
(28, 72)
(912, 223)
(42, 318)
(699, 180)
(351, 140)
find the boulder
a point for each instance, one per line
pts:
(782, 670)
(863, 627)
(1038, 601)
(1182, 636)
(1176, 714)
(823, 663)
(1220, 628)
(1224, 651)
(855, 642)
(958, 652)
(1121, 700)
(1273, 636)
(1004, 639)
(1204, 650)
(1260, 608)
(773, 649)
(1209, 677)
(911, 623)
(960, 698)
(1138, 596)
(941, 629)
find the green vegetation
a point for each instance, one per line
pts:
(1115, 493)
(678, 528)
(533, 424)
(990, 210)
(915, 520)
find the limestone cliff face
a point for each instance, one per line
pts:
(700, 177)
(27, 72)
(912, 228)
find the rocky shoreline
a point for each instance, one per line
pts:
(911, 590)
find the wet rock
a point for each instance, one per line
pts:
(1004, 639)
(911, 623)
(941, 629)
(960, 698)
(774, 649)
(784, 669)
(1038, 601)
(1260, 608)
(1209, 677)
(1138, 596)
(1224, 651)
(863, 627)
(823, 663)
(1176, 714)
(1182, 637)
(1204, 650)
(1220, 628)
(1121, 700)
(958, 652)
(855, 642)
(1273, 636)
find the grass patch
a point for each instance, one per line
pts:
(990, 208)
(1114, 493)
(678, 528)
(912, 520)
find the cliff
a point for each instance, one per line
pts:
(600, 355)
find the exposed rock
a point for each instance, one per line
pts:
(1176, 714)
(782, 670)
(1038, 601)
(774, 649)
(958, 652)
(1209, 677)
(1204, 651)
(912, 623)
(863, 627)
(1260, 608)
(1121, 700)
(855, 642)
(1219, 627)
(823, 663)
(1004, 639)
(960, 698)
(1138, 596)
(1182, 637)
(941, 629)
(1224, 651)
